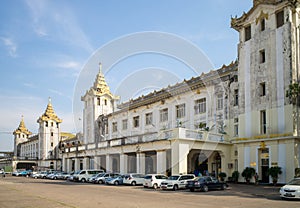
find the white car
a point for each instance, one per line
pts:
(154, 180)
(134, 179)
(176, 182)
(291, 190)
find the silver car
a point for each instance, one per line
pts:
(134, 179)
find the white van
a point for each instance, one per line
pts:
(84, 175)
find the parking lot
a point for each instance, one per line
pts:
(29, 192)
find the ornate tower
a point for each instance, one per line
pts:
(49, 134)
(268, 53)
(98, 100)
(21, 135)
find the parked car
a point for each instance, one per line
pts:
(176, 182)
(58, 175)
(84, 175)
(114, 180)
(94, 177)
(41, 174)
(205, 184)
(25, 173)
(101, 179)
(154, 180)
(291, 190)
(133, 179)
(70, 177)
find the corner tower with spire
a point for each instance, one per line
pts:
(98, 100)
(21, 134)
(49, 134)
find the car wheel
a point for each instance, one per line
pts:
(83, 180)
(205, 188)
(155, 186)
(223, 187)
(192, 190)
(145, 186)
(175, 187)
(55, 178)
(100, 182)
(116, 183)
(133, 183)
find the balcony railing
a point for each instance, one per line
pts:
(177, 133)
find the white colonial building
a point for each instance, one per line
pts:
(234, 117)
(41, 150)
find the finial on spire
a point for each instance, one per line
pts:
(100, 67)
(49, 99)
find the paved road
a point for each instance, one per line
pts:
(28, 192)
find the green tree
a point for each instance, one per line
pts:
(248, 173)
(274, 172)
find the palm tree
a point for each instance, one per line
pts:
(274, 172)
(248, 173)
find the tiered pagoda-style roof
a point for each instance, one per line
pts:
(100, 86)
(49, 114)
(22, 128)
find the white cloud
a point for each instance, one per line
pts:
(56, 20)
(29, 85)
(11, 46)
(56, 92)
(69, 65)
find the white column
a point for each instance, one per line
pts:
(179, 153)
(77, 164)
(86, 163)
(123, 163)
(140, 162)
(97, 162)
(161, 159)
(108, 163)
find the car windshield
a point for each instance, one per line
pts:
(173, 178)
(295, 182)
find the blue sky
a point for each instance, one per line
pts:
(44, 45)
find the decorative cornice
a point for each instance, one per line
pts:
(261, 17)
(238, 22)
(194, 84)
(49, 114)
(22, 128)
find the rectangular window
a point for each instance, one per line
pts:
(236, 130)
(149, 119)
(98, 101)
(220, 102)
(125, 124)
(262, 89)
(200, 106)
(263, 122)
(279, 19)
(180, 111)
(262, 56)
(163, 115)
(262, 25)
(248, 33)
(236, 98)
(51, 133)
(114, 126)
(136, 121)
(51, 144)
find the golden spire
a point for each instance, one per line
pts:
(100, 84)
(22, 128)
(49, 114)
